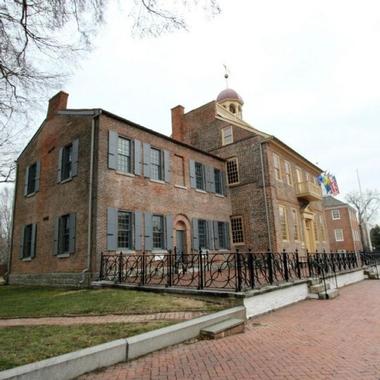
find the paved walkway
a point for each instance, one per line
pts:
(334, 339)
(180, 315)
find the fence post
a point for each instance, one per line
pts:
(200, 269)
(101, 267)
(285, 264)
(120, 266)
(251, 270)
(238, 270)
(169, 268)
(311, 273)
(270, 266)
(298, 264)
(143, 265)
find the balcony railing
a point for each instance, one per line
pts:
(309, 191)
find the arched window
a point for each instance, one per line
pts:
(232, 108)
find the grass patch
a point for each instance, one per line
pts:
(20, 301)
(23, 345)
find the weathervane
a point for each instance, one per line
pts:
(226, 74)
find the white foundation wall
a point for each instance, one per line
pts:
(275, 299)
(346, 279)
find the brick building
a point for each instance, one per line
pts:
(276, 200)
(343, 226)
(90, 181)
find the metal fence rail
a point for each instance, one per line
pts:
(232, 271)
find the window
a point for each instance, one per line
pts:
(64, 234)
(296, 228)
(227, 137)
(232, 108)
(156, 164)
(222, 235)
(237, 230)
(31, 181)
(288, 173)
(199, 176)
(232, 171)
(202, 233)
(277, 167)
(283, 223)
(299, 175)
(124, 234)
(179, 171)
(322, 228)
(124, 155)
(339, 234)
(29, 241)
(158, 231)
(67, 161)
(218, 181)
(335, 214)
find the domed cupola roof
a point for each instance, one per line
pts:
(229, 94)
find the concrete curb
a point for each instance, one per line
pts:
(74, 364)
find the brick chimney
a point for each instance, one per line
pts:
(178, 125)
(57, 103)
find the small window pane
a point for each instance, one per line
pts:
(222, 235)
(156, 164)
(283, 223)
(202, 234)
(339, 235)
(227, 135)
(27, 248)
(232, 171)
(158, 231)
(335, 214)
(67, 159)
(124, 155)
(199, 176)
(218, 181)
(64, 234)
(31, 187)
(237, 230)
(124, 234)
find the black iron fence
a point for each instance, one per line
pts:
(233, 271)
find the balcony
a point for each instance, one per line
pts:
(308, 191)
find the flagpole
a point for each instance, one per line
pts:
(365, 212)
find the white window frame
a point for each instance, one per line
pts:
(339, 238)
(288, 173)
(227, 135)
(237, 170)
(337, 216)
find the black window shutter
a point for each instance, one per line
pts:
(72, 221)
(137, 157)
(75, 158)
(112, 218)
(21, 253)
(38, 173)
(195, 234)
(56, 236)
(26, 180)
(148, 243)
(137, 230)
(59, 169)
(34, 241)
(146, 149)
(192, 174)
(169, 231)
(112, 149)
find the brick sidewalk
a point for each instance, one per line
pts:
(176, 315)
(335, 339)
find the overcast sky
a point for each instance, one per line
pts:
(308, 72)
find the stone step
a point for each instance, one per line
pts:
(222, 329)
(313, 281)
(373, 276)
(318, 288)
(329, 295)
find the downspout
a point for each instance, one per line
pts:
(13, 225)
(90, 185)
(265, 195)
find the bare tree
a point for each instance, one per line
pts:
(40, 41)
(367, 205)
(6, 197)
